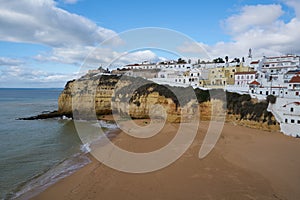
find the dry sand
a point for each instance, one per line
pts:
(245, 164)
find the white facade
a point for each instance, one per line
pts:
(178, 78)
(162, 65)
(242, 79)
(280, 64)
(287, 113)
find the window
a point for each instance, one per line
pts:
(292, 109)
(286, 120)
(175, 80)
(233, 70)
(273, 92)
(260, 92)
(297, 93)
(292, 121)
(231, 76)
(267, 92)
(298, 121)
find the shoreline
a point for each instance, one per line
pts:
(245, 164)
(61, 170)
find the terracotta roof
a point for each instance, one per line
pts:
(254, 83)
(254, 62)
(287, 56)
(296, 103)
(295, 79)
(293, 72)
(236, 73)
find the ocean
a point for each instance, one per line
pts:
(35, 154)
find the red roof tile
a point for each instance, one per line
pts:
(254, 83)
(295, 79)
(296, 103)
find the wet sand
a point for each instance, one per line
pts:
(245, 164)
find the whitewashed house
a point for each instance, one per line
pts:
(242, 79)
(280, 64)
(287, 113)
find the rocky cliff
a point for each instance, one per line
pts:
(137, 98)
(126, 96)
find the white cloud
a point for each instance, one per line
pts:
(15, 76)
(20, 76)
(195, 49)
(92, 57)
(253, 17)
(260, 28)
(5, 61)
(42, 22)
(266, 34)
(294, 4)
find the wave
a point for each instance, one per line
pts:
(40, 182)
(66, 167)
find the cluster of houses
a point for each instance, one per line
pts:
(278, 76)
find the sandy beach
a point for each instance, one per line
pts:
(245, 164)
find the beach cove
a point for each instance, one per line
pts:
(245, 164)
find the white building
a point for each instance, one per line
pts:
(179, 78)
(255, 65)
(242, 79)
(280, 64)
(287, 113)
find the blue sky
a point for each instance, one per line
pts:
(43, 43)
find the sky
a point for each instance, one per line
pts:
(45, 43)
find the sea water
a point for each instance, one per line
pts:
(35, 154)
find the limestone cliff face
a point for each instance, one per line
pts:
(65, 98)
(139, 98)
(124, 96)
(261, 122)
